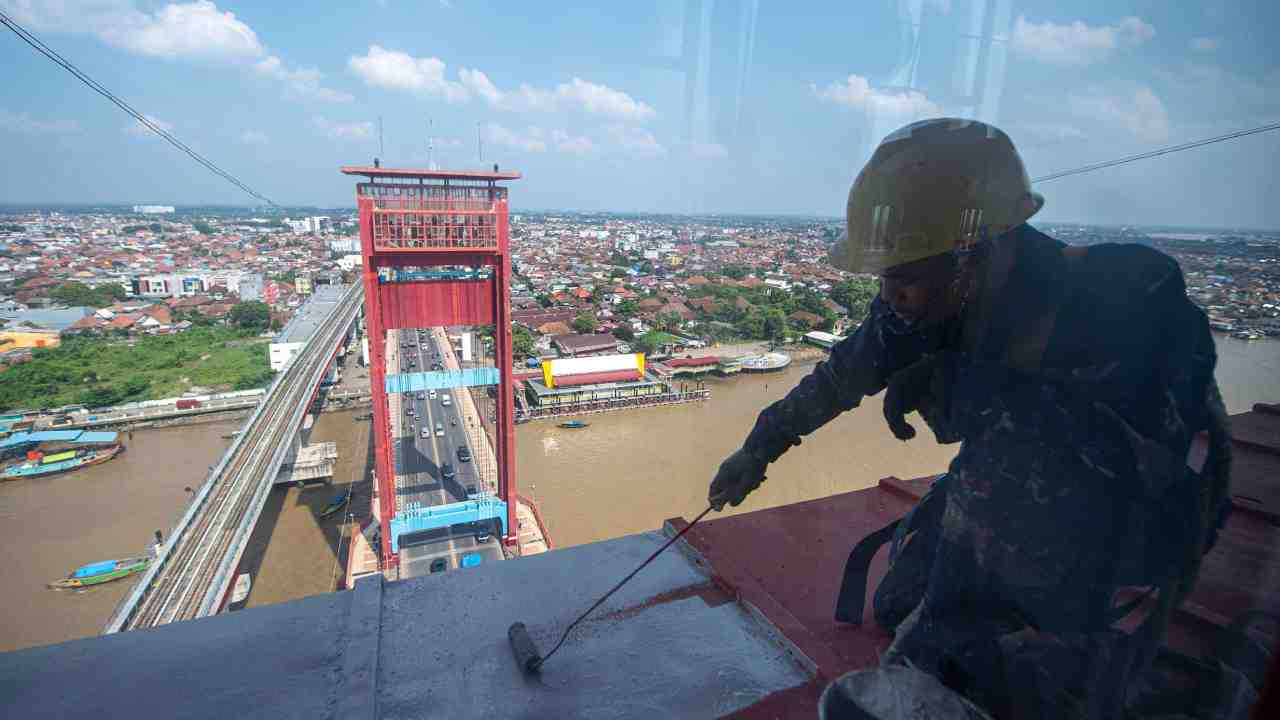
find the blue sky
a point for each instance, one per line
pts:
(673, 105)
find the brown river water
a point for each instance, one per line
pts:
(626, 473)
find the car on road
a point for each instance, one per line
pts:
(439, 430)
(445, 400)
(408, 412)
(422, 396)
(464, 454)
(425, 433)
(433, 394)
(471, 490)
(437, 367)
(439, 565)
(447, 472)
(482, 532)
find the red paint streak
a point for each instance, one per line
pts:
(436, 303)
(711, 594)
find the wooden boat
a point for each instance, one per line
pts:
(101, 572)
(573, 424)
(335, 504)
(41, 464)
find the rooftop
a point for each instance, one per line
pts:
(424, 174)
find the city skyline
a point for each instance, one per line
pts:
(669, 107)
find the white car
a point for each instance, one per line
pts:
(445, 401)
(425, 433)
(439, 430)
(432, 395)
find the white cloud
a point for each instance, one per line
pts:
(1206, 44)
(1141, 114)
(342, 131)
(855, 92)
(1077, 43)
(397, 70)
(27, 125)
(636, 141)
(479, 83)
(253, 137)
(603, 100)
(195, 29)
(137, 129)
(531, 141)
(299, 83)
(1045, 133)
(572, 144)
(400, 71)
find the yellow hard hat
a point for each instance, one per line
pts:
(932, 187)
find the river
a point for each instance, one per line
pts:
(626, 473)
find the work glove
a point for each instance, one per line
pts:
(922, 386)
(739, 474)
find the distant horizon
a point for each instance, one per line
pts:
(86, 208)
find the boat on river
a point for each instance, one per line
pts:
(573, 424)
(101, 572)
(335, 504)
(39, 464)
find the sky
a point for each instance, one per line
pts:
(682, 106)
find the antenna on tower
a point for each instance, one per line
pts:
(431, 144)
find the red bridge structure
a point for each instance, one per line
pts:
(435, 249)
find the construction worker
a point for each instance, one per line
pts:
(1074, 377)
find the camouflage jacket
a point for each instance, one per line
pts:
(1057, 467)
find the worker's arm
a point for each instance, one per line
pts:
(859, 366)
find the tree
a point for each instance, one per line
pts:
(203, 227)
(78, 294)
(737, 272)
(521, 341)
(645, 343)
(646, 267)
(775, 324)
(585, 323)
(618, 259)
(855, 295)
(623, 332)
(626, 308)
(668, 321)
(250, 315)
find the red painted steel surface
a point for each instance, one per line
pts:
(458, 219)
(787, 563)
(432, 303)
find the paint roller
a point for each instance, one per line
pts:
(526, 652)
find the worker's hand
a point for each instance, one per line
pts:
(739, 474)
(921, 386)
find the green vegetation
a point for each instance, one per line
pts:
(98, 372)
(855, 295)
(521, 341)
(585, 323)
(131, 229)
(252, 315)
(78, 294)
(203, 228)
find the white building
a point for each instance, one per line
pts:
(153, 209)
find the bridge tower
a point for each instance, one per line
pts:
(435, 249)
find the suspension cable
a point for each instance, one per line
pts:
(1157, 153)
(67, 65)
